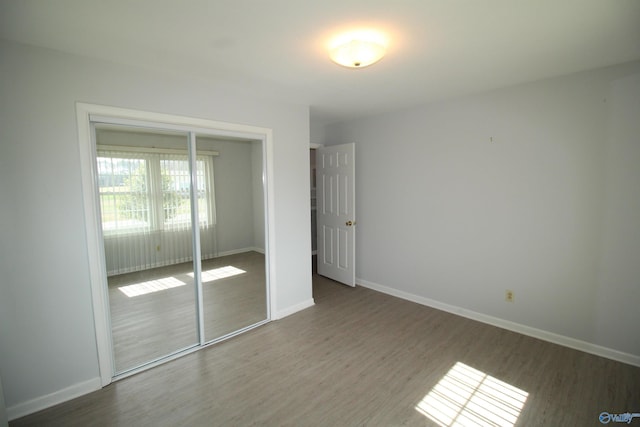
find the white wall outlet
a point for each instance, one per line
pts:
(508, 295)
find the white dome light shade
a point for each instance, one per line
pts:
(358, 49)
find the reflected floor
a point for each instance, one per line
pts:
(153, 312)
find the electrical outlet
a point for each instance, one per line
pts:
(508, 295)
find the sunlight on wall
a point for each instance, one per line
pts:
(469, 397)
(165, 283)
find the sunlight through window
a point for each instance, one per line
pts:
(219, 273)
(469, 397)
(144, 288)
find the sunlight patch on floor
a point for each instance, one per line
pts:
(468, 397)
(151, 286)
(165, 283)
(219, 273)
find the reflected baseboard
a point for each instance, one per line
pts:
(240, 251)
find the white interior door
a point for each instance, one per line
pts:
(335, 173)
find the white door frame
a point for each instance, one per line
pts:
(97, 276)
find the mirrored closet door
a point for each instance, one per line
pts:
(174, 285)
(233, 276)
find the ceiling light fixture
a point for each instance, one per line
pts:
(358, 49)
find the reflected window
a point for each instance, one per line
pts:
(143, 192)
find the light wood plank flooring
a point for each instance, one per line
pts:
(358, 357)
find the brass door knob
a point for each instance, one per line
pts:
(350, 223)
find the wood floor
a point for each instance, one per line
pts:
(359, 357)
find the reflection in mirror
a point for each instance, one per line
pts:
(143, 180)
(145, 200)
(233, 281)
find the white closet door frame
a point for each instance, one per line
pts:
(88, 113)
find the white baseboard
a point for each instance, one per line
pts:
(295, 308)
(576, 344)
(46, 401)
(29, 407)
(239, 251)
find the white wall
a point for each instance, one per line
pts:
(317, 133)
(47, 339)
(3, 411)
(618, 299)
(458, 201)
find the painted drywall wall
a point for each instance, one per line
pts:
(459, 201)
(47, 339)
(3, 411)
(317, 132)
(618, 300)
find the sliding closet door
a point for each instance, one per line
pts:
(233, 241)
(144, 187)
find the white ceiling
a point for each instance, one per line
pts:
(276, 48)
